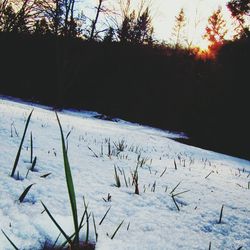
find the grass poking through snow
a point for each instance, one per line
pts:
(221, 214)
(115, 232)
(20, 146)
(70, 184)
(25, 192)
(10, 241)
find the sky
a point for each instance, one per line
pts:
(164, 11)
(197, 13)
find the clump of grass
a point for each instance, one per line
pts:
(73, 241)
(120, 146)
(20, 146)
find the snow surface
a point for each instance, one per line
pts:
(153, 219)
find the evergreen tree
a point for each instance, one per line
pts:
(109, 35)
(17, 17)
(143, 30)
(125, 32)
(42, 27)
(138, 30)
(7, 16)
(59, 14)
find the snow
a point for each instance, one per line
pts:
(153, 218)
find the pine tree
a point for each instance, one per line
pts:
(109, 35)
(41, 27)
(7, 16)
(143, 29)
(138, 30)
(125, 32)
(14, 19)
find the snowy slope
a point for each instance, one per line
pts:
(153, 219)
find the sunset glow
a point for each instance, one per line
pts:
(163, 14)
(197, 13)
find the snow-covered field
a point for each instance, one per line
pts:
(151, 219)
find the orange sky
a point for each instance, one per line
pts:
(197, 13)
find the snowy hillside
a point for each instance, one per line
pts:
(181, 188)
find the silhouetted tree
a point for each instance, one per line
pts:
(94, 22)
(143, 29)
(59, 14)
(136, 27)
(42, 27)
(239, 10)
(109, 35)
(180, 22)
(125, 32)
(3, 5)
(216, 31)
(17, 16)
(7, 15)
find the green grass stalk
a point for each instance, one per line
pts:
(20, 146)
(70, 184)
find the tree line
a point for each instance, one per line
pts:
(64, 18)
(58, 18)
